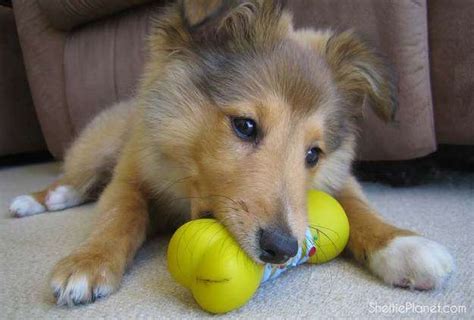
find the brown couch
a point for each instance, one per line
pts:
(19, 128)
(83, 55)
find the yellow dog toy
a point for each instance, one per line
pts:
(204, 257)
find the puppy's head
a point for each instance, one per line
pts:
(249, 114)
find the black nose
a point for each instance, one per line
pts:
(277, 246)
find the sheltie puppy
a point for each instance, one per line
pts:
(236, 116)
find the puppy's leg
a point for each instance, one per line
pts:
(88, 165)
(400, 257)
(82, 173)
(95, 269)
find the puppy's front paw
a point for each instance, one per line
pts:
(414, 262)
(84, 277)
(26, 205)
(62, 197)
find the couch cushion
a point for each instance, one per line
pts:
(67, 14)
(103, 61)
(43, 51)
(451, 29)
(19, 128)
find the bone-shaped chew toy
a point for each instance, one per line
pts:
(204, 257)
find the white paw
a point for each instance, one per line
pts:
(26, 205)
(80, 289)
(414, 262)
(62, 197)
(83, 278)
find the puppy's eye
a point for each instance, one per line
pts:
(312, 156)
(245, 128)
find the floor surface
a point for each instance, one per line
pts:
(442, 210)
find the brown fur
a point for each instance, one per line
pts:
(172, 148)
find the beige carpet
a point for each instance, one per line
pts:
(29, 247)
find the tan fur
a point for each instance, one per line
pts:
(369, 232)
(173, 152)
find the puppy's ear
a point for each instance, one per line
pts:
(216, 21)
(360, 73)
(198, 13)
(208, 20)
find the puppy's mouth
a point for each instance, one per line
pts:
(243, 243)
(206, 215)
(267, 247)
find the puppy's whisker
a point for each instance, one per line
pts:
(326, 235)
(322, 227)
